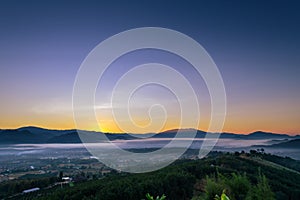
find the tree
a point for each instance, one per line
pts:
(253, 151)
(239, 186)
(61, 174)
(213, 186)
(262, 190)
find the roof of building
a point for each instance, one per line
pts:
(31, 190)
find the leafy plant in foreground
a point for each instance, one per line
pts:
(223, 196)
(149, 197)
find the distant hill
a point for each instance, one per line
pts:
(20, 137)
(29, 135)
(70, 137)
(40, 135)
(289, 144)
(183, 133)
(45, 132)
(252, 136)
(186, 133)
(263, 135)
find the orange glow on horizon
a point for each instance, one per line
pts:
(114, 129)
(233, 124)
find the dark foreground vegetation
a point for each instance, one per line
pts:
(239, 175)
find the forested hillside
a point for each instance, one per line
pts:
(241, 175)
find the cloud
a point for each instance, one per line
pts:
(53, 106)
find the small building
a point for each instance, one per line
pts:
(30, 190)
(66, 179)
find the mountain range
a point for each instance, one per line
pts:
(35, 135)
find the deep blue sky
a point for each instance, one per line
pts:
(255, 44)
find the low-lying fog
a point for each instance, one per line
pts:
(221, 145)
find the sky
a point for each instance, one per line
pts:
(254, 44)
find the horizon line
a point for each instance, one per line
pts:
(169, 130)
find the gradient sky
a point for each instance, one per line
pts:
(255, 44)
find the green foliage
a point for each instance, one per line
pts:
(17, 186)
(236, 174)
(223, 196)
(213, 186)
(239, 188)
(149, 197)
(286, 161)
(262, 190)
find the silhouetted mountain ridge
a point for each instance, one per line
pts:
(261, 134)
(33, 134)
